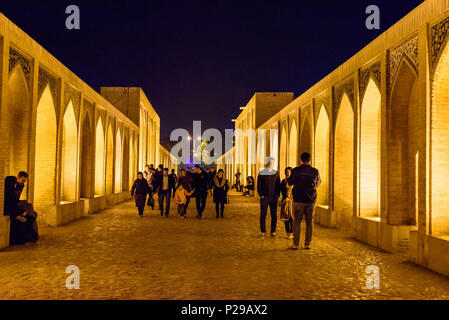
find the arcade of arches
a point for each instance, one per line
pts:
(377, 128)
(81, 152)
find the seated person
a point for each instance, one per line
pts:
(249, 188)
(21, 213)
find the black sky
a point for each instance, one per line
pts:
(202, 60)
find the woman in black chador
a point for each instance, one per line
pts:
(22, 215)
(140, 190)
(220, 192)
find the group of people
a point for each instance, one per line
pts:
(197, 184)
(299, 193)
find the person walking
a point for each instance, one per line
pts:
(268, 188)
(174, 178)
(212, 174)
(139, 191)
(286, 204)
(189, 172)
(220, 192)
(180, 199)
(304, 179)
(156, 182)
(148, 175)
(200, 181)
(185, 181)
(164, 192)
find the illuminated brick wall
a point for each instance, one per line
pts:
(344, 164)
(321, 160)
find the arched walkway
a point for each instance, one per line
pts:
(45, 153)
(109, 161)
(293, 146)
(322, 155)
(99, 159)
(86, 158)
(69, 155)
(118, 163)
(370, 152)
(125, 167)
(132, 168)
(440, 147)
(344, 165)
(274, 146)
(401, 201)
(305, 137)
(283, 153)
(19, 115)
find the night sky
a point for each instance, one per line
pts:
(202, 60)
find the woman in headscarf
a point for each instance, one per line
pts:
(220, 192)
(140, 190)
(286, 204)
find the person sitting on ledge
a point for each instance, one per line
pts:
(23, 217)
(249, 188)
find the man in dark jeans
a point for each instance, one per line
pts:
(304, 179)
(269, 189)
(166, 185)
(174, 178)
(200, 184)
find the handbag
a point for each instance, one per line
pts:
(150, 201)
(286, 207)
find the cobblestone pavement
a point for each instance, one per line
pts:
(122, 256)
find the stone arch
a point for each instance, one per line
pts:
(19, 115)
(283, 151)
(245, 157)
(370, 128)
(69, 154)
(86, 158)
(274, 146)
(261, 148)
(99, 159)
(321, 160)
(118, 162)
(344, 164)
(110, 161)
(304, 146)
(293, 146)
(439, 126)
(131, 162)
(45, 153)
(125, 164)
(400, 154)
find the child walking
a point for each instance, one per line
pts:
(181, 195)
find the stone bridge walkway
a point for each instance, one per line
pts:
(122, 256)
